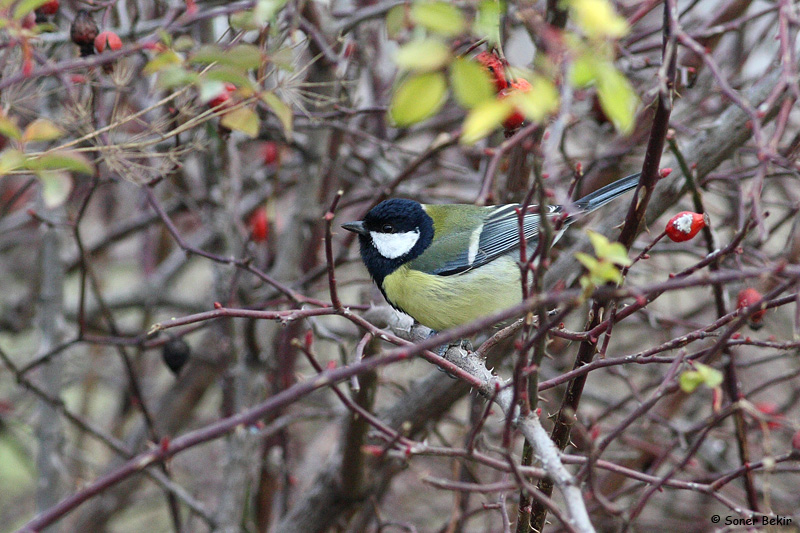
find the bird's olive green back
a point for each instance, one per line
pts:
(453, 229)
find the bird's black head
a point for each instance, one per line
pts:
(393, 232)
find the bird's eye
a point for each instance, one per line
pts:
(387, 228)
(491, 69)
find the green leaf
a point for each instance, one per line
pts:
(243, 56)
(484, 119)
(617, 98)
(10, 160)
(26, 6)
(423, 55)
(41, 129)
(242, 119)
(597, 19)
(396, 20)
(613, 252)
(56, 186)
(281, 110)
(417, 98)
(8, 128)
(581, 72)
(439, 17)
(176, 76)
(229, 75)
(470, 82)
(183, 43)
(161, 61)
(539, 102)
(61, 160)
(587, 261)
(487, 20)
(701, 375)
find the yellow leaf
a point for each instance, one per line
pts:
(470, 82)
(56, 186)
(539, 102)
(597, 19)
(484, 119)
(417, 98)
(423, 55)
(617, 98)
(242, 119)
(41, 129)
(439, 17)
(281, 110)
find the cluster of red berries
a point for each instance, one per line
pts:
(504, 88)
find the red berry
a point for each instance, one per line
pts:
(259, 225)
(270, 152)
(685, 225)
(748, 297)
(494, 66)
(28, 21)
(49, 8)
(107, 39)
(223, 98)
(83, 32)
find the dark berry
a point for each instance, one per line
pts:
(175, 354)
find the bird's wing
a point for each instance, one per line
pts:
(464, 248)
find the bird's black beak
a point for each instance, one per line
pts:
(356, 227)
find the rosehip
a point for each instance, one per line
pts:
(270, 152)
(107, 39)
(494, 66)
(28, 21)
(223, 98)
(748, 297)
(259, 225)
(83, 32)
(685, 225)
(48, 8)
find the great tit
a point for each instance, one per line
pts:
(446, 265)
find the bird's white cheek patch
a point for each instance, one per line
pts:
(393, 245)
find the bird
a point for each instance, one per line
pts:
(449, 264)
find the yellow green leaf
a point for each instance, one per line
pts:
(8, 128)
(423, 55)
(614, 252)
(176, 76)
(396, 20)
(10, 159)
(539, 102)
(281, 110)
(26, 6)
(242, 119)
(41, 129)
(439, 17)
(225, 74)
(417, 98)
(617, 98)
(597, 19)
(161, 61)
(243, 56)
(701, 375)
(487, 20)
(61, 160)
(470, 82)
(56, 186)
(484, 119)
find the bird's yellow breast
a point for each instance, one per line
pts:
(442, 302)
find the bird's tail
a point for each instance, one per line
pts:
(603, 195)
